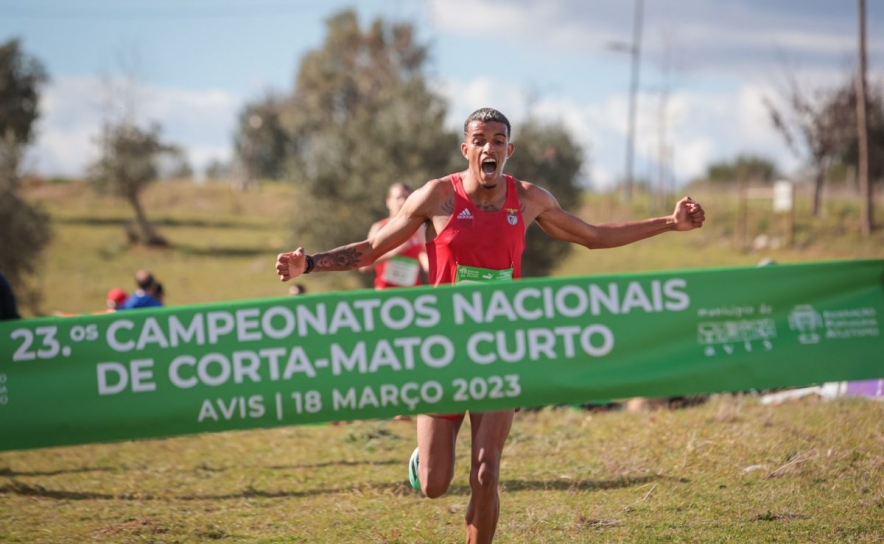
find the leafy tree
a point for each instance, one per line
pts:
(21, 78)
(24, 228)
(261, 143)
(128, 163)
(361, 117)
(173, 164)
(546, 155)
(744, 167)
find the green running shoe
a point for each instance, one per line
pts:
(412, 471)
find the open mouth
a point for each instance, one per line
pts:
(489, 166)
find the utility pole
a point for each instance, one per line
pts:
(862, 128)
(635, 52)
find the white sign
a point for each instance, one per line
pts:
(782, 196)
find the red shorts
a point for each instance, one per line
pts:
(449, 417)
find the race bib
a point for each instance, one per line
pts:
(472, 274)
(401, 271)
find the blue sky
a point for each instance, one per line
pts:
(198, 61)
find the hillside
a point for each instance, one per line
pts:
(223, 243)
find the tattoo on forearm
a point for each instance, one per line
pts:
(344, 258)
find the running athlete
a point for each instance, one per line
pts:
(476, 220)
(401, 267)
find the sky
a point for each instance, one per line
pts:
(706, 68)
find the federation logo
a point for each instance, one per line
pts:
(806, 320)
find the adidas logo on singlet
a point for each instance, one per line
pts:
(465, 214)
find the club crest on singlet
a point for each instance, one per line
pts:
(511, 216)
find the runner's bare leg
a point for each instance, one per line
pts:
(436, 438)
(489, 431)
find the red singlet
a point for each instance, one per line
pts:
(413, 251)
(472, 237)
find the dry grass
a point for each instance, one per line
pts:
(731, 470)
(224, 243)
(728, 471)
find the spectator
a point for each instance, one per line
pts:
(146, 294)
(116, 297)
(8, 308)
(297, 289)
(160, 294)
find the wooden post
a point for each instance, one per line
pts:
(741, 219)
(789, 227)
(862, 129)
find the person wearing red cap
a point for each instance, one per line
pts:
(116, 297)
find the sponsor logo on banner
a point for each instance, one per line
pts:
(743, 327)
(806, 321)
(813, 325)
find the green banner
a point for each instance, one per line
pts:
(376, 354)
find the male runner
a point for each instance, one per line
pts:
(477, 219)
(401, 267)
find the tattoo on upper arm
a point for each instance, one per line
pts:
(448, 206)
(345, 258)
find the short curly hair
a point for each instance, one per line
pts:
(487, 115)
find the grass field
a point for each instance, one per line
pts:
(224, 242)
(730, 470)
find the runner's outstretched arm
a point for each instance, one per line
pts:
(562, 225)
(352, 256)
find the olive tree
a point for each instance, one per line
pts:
(128, 162)
(24, 228)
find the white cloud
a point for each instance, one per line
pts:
(465, 97)
(718, 37)
(72, 112)
(719, 126)
(702, 127)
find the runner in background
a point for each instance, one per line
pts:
(475, 229)
(403, 266)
